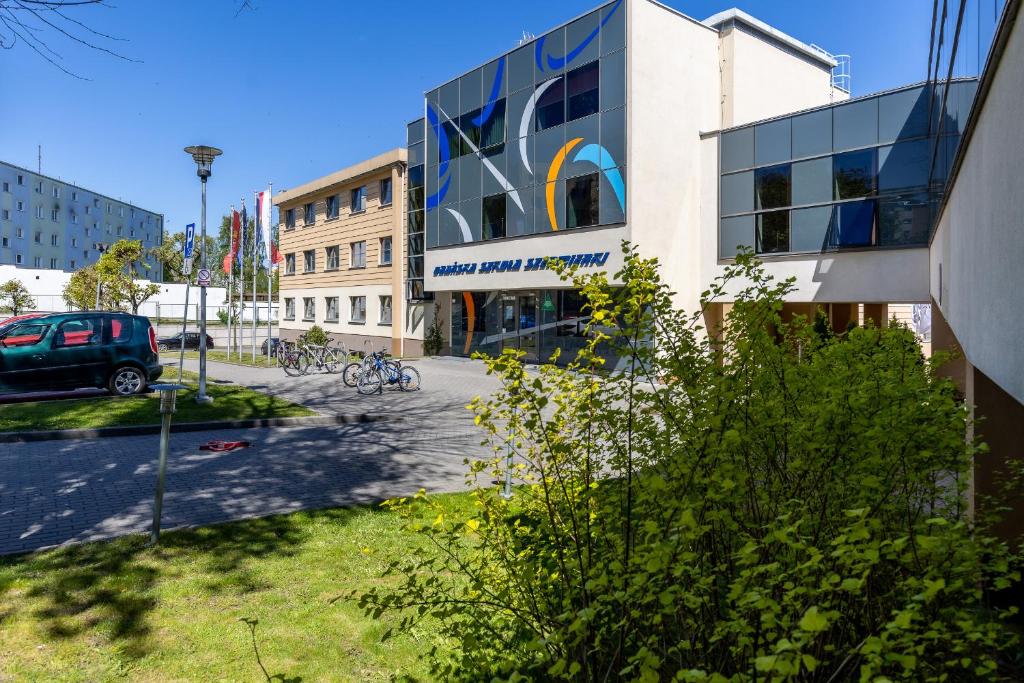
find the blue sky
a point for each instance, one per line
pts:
(292, 90)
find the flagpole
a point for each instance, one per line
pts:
(240, 328)
(231, 274)
(255, 225)
(270, 261)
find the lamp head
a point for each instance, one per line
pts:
(203, 156)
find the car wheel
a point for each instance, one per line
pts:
(163, 347)
(126, 381)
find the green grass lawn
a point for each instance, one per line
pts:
(222, 357)
(183, 611)
(231, 402)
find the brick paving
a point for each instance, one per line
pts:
(58, 492)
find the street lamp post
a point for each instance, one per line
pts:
(100, 248)
(203, 157)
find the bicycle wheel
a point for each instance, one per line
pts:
(301, 362)
(369, 382)
(408, 378)
(332, 363)
(350, 375)
(291, 364)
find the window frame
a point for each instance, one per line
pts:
(360, 193)
(386, 182)
(389, 251)
(327, 309)
(307, 302)
(389, 308)
(289, 263)
(357, 257)
(336, 251)
(308, 259)
(309, 214)
(353, 308)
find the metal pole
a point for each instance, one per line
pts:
(167, 396)
(184, 327)
(252, 250)
(231, 275)
(97, 289)
(270, 267)
(240, 327)
(507, 492)
(201, 396)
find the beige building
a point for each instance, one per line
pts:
(343, 241)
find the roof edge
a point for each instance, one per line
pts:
(398, 155)
(736, 14)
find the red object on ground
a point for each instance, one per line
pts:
(224, 446)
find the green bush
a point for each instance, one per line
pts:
(314, 336)
(433, 340)
(780, 505)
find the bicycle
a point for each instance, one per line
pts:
(380, 371)
(293, 361)
(323, 357)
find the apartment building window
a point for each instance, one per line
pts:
(309, 213)
(309, 261)
(6, 242)
(39, 187)
(38, 238)
(358, 255)
(131, 233)
(7, 187)
(87, 232)
(19, 233)
(74, 241)
(53, 263)
(108, 207)
(289, 264)
(95, 202)
(385, 251)
(359, 199)
(73, 264)
(333, 208)
(85, 253)
(19, 259)
(74, 218)
(74, 196)
(53, 215)
(357, 310)
(333, 257)
(88, 210)
(39, 212)
(37, 262)
(385, 310)
(308, 308)
(21, 180)
(289, 309)
(7, 215)
(53, 240)
(289, 218)
(331, 315)
(120, 211)
(120, 230)
(56, 192)
(385, 191)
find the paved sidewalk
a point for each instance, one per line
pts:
(70, 491)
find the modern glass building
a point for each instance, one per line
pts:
(864, 174)
(51, 224)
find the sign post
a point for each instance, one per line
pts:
(186, 270)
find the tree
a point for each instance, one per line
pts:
(170, 254)
(80, 291)
(118, 267)
(755, 503)
(15, 298)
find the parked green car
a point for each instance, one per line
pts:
(116, 351)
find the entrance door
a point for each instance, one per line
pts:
(527, 305)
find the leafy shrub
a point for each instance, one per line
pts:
(782, 505)
(314, 336)
(433, 340)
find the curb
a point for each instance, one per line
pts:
(183, 427)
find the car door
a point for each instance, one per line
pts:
(78, 354)
(192, 340)
(23, 357)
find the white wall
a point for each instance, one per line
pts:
(978, 246)
(372, 327)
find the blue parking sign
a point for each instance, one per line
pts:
(190, 238)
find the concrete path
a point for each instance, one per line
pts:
(58, 492)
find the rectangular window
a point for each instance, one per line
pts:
(550, 111)
(74, 218)
(854, 175)
(309, 213)
(74, 241)
(19, 259)
(331, 314)
(289, 264)
(120, 211)
(131, 233)
(289, 218)
(19, 233)
(385, 310)
(53, 215)
(88, 210)
(309, 261)
(492, 130)
(333, 258)
(581, 201)
(6, 242)
(7, 187)
(39, 238)
(469, 123)
(53, 263)
(772, 234)
(56, 192)
(583, 87)
(39, 187)
(74, 264)
(454, 139)
(108, 208)
(289, 309)
(332, 206)
(308, 308)
(358, 201)
(37, 262)
(21, 180)
(7, 215)
(74, 196)
(772, 187)
(120, 230)
(385, 251)
(53, 240)
(358, 254)
(853, 225)
(21, 206)
(357, 309)
(385, 191)
(493, 217)
(39, 212)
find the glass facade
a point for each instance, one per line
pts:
(866, 173)
(538, 133)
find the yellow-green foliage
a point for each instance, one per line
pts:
(774, 505)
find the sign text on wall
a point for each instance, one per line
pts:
(589, 260)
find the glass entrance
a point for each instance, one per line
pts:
(527, 304)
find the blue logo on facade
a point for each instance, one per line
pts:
(590, 260)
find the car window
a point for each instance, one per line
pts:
(25, 334)
(79, 332)
(121, 329)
